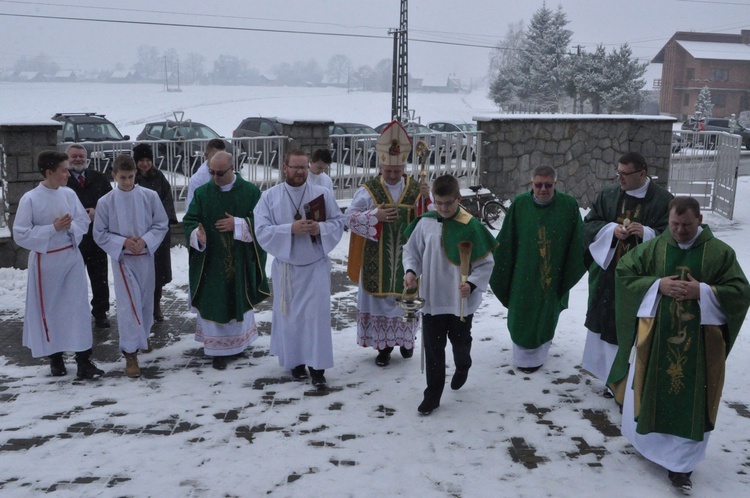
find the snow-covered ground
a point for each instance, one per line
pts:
(251, 431)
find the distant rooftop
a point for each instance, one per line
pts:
(721, 51)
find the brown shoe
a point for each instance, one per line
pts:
(132, 369)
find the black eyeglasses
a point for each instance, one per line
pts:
(620, 174)
(545, 185)
(218, 173)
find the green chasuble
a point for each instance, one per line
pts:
(538, 260)
(679, 363)
(382, 268)
(612, 205)
(228, 278)
(461, 227)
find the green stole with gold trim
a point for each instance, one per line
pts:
(674, 400)
(382, 268)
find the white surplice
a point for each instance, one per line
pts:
(321, 179)
(440, 280)
(119, 216)
(379, 319)
(57, 310)
(200, 177)
(300, 274)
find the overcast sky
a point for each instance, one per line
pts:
(77, 44)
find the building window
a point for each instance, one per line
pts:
(719, 100)
(685, 100)
(720, 74)
(690, 73)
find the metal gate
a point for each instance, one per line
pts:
(704, 166)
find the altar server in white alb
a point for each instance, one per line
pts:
(129, 226)
(286, 227)
(50, 223)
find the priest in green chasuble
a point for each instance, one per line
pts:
(680, 302)
(623, 215)
(227, 266)
(538, 260)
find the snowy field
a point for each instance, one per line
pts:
(252, 431)
(222, 108)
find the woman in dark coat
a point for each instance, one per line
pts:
(151, 178)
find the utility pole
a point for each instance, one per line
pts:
(400, 84)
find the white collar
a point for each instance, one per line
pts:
(640, 192)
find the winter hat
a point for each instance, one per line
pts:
(142, 151)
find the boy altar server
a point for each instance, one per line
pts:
(432, 253)
(50, 223)
(130, 224)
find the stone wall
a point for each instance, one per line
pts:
(21, 144)
(583, 149)
(307, 135)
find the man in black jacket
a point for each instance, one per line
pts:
(89, 185)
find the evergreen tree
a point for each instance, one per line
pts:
(624, 75)
(704, 104)
(540, 72)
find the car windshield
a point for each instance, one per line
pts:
(415, 128)
(360, 130)
(98, 132)
(467, 127)
(190, 132)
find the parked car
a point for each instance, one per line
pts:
(92, 127)
(461, 130)
(184, 151)
(450, 127)
(352, 149)
(718, 124)
(253, 127)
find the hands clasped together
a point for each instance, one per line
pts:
(680, 290)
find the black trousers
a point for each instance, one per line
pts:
(96, 266)
(437, 330)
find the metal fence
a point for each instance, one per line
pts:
(704, 166)
(259, 159)
(3, 188)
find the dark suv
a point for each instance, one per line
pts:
(91, 127)
(189, 139)
(266, 152)
(718, 124)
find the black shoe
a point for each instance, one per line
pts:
(318, 379)
(384, 357)
(57, 365)
(87, 370)
(102, 322)
(427, 406)
(299, 372)
(608, 393)
(407, 353)
(681, 480)
(459, 379)
(219, 363)
(529, 370)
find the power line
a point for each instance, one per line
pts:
(220, 16)
(235, 28)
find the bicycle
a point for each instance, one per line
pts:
(485, 206)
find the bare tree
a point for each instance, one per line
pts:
(148, 63)
(339, 67)
(194, 70)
